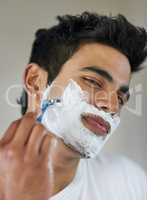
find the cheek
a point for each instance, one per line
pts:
(94, 94)
(56, 91)
(60, 84)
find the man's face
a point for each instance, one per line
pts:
(102, 71)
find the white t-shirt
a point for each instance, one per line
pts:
(107, 177)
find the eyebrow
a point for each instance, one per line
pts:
(124, 89)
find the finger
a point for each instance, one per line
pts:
(49, 144)
(24, 129)
(34, 141)
(10, 132)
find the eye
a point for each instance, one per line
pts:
(92, 82)
(121, 100)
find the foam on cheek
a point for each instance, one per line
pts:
(64, 120)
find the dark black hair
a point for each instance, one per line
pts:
(54, 46)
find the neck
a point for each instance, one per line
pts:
(64, 163)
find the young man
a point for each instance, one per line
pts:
(85, 54)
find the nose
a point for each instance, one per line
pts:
(108, 103)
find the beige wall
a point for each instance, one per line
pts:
(18, 21)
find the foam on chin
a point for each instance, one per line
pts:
(64, 120)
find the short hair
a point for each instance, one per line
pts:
(54, 46)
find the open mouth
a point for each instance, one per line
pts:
(96, 124)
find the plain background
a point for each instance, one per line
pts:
(19, 19)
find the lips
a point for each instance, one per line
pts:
(96, 124)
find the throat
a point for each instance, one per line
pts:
(62, 176)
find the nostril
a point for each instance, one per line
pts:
(113, 114)
(104, 108)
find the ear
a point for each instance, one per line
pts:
(35, 78)
(35, 81)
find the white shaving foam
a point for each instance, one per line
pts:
(64, 120)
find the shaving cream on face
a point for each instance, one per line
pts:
(63, 118)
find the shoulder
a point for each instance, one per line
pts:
(119, 161)
(122, 170)
(122, 164)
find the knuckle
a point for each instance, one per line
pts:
(30, 115)
(15, 122)
(10, 153)
(39, 127)
(28, 118)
